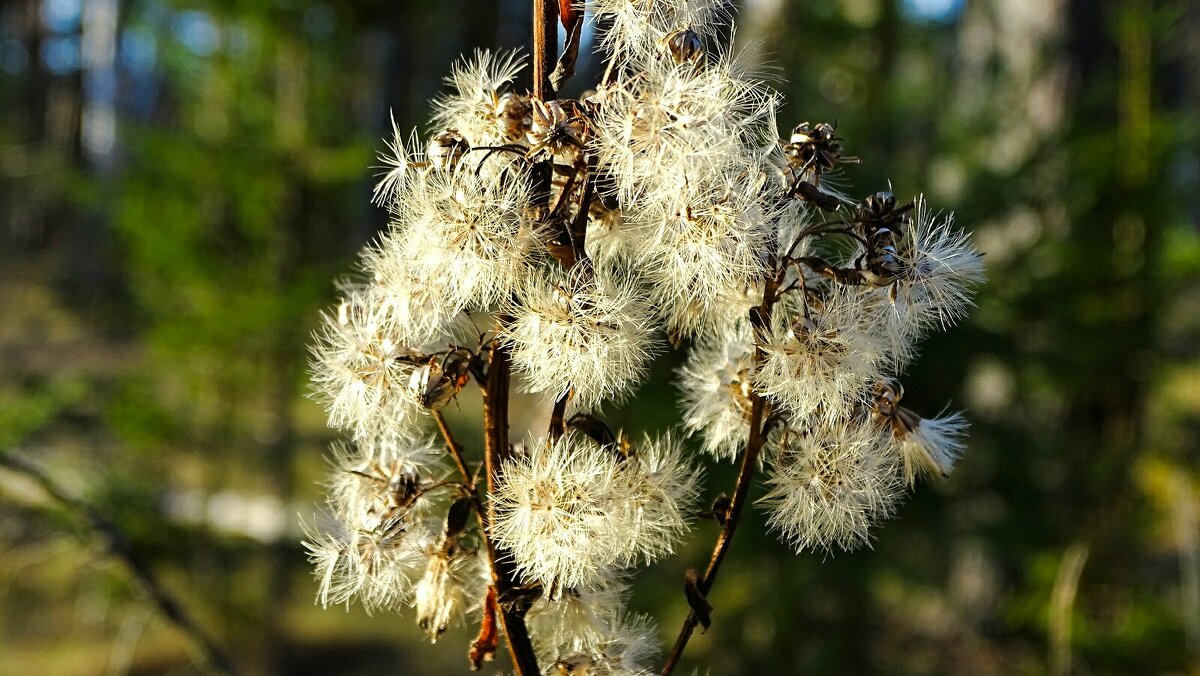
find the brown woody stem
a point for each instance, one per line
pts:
(495, 394)
(557, 425)
(504, 574)
(456, 449)
(545, 46)
(760, 319)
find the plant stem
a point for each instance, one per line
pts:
(760, 319)
(504, 575)
(545, 46)
(455, 449)
(557, 414)
(495, 394)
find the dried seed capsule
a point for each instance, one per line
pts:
(684, 45)
(879, 212)
(815, 147)
(513, 115)
(446, 149)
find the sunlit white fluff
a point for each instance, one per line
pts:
(465, 235)
(897, 324)
(610, 241)
(379, 476)
(660, 498)
(359, 369)
(933, 446)
(701, 256)
(573, 511)
(586, 330)
(554, 512)
(453, 585)
(476, 87)
(939, 268)
(633, 29)
(626, 648)
(420, 316)
(671, 123)
(819, 364)
(401, 160)
(829, 487)
(716, 385)
(579, 616)
(377, 565)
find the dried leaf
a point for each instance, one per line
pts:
(483, 648)
(573, 23)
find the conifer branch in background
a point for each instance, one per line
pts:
(214, 659)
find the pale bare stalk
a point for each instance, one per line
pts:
(1062, 604)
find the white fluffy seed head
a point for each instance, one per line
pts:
(451, 587)
(579, 616)
(378, 565)
(830, 486)
(818, 365)
(477, 87)
(939, 269)
(382, 519)
(379, 477)
(420, 316)
(700, 258)
(634, 31)
(625, 648)
(932, 447)
(632, 28)
(716, 387)
(573, 511)
(661, 495)
(359, 371)
(465, 235)
(672, 124)
(587, 330)
(553, 512)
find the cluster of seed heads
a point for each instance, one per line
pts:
(580, 239)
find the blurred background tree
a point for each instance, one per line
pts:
(180, 181)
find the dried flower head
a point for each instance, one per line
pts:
(820, 356)
(586, 331)
(574, 510)
(361, 368)
(830, 487)
(717, 385)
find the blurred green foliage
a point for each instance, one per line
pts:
(158, 291)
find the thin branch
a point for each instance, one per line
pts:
(504, 574)
(485, 642)
(760, 318)
(138, 568)
(496, 391)
(545, 46)
(456, 450)
(557, 425)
